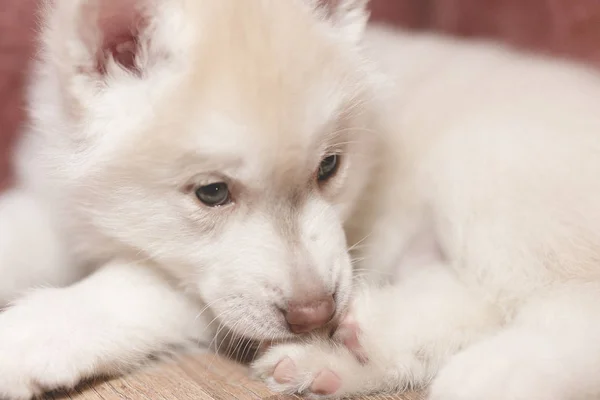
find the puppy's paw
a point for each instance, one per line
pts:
(323, 368)
(20, 383)
(37, 353)
(500, 369)
(319, 370)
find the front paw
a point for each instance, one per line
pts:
(37, 354)
(28, 370)
(19, 382)
(320, 370)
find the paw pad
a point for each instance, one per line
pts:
(347, 334)
(326, 383)
(284, 371)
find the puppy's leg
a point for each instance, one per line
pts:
(550, 352)
(30, 251)
(108, 323)
(394, 338)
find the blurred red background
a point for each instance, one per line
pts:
(564, 27)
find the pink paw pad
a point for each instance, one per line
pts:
(347, 334)
(284, 371)
(326, 383)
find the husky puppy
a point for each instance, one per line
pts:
(197, 165)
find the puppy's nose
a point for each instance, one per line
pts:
(308, 315)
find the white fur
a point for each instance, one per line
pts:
(31, 253)
(468, 192)
(108, 323)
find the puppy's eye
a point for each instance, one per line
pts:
(214, 195)
(328, 168)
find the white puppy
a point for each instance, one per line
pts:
(201, 160)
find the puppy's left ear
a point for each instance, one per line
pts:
(349, 16)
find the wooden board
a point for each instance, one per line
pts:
(203, 377)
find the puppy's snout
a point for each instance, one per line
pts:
(307, 315)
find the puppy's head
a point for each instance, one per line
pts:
(222, 140)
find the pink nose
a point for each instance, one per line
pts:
(305, 316)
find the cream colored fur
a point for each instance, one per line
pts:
(468, 193)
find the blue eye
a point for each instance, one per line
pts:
(214, 195)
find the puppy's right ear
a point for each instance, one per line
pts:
(100, 40)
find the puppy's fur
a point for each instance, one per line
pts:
(467, 191)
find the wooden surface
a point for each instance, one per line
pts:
(204, 377)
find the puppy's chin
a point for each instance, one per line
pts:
(238, 348)
(245, 345)
(246, 349)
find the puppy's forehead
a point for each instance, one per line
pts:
(262, 39)
(256, 152)
(263, 86)
(274, 131)
(279, 87)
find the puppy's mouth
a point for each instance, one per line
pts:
(244, 346)
(246, 349)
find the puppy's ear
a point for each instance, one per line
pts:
(100, 39)
(349, 16)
